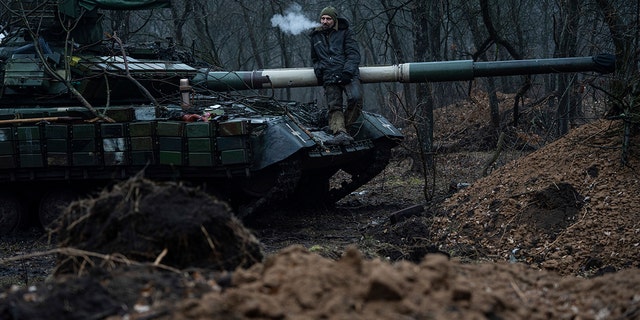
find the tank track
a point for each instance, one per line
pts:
(360, 174)
(286, 181)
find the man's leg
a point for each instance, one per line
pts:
(334, 100)
(354, 101)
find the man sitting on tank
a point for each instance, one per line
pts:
(336, 58)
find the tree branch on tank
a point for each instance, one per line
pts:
(65, 80)
(128, 75)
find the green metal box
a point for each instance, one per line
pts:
(114, 144)
(199, 145)
(121, 114)
(28, 133)
(228, 143)
(83, 131)
(85, 159)
(234, 128)
(198, 129)
(57, 145)
(234, 156)
(83, 145)
(141, 129)
(57, 159)
(29, 146)
(142, 143)
(7, 162)
(33, 160)
(112, 130)
(56, 132)
(118, 158)
(171, 129)
(6, 134)
(25, 70)
(171, 157)
(142, 158)
(171, 144)
(200, 159)
(6, 147)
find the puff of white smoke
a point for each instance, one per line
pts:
(293, 21)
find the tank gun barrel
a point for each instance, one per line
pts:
(413, 72)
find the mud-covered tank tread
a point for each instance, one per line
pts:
(361, 174)
(288, 176)
(11, 212)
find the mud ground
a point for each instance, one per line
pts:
(551, 234)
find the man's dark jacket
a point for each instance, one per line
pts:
(334, 52)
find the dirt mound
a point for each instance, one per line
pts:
(166, 223)
(570, 206)
(297, 284)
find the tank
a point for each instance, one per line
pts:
(72, 123)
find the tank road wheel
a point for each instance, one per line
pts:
(52, 204)
(11, 212)
(271, 186)
(313, 189)
(361, 173)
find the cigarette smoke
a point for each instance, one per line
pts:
(293, 21)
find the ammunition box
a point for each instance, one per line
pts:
(6, 147)
(84, 145)
(29, 146)
(25, 70)
(121, 114)
(118, 158)
(200, 159)
(85, 159)
(199, 145)
(171, 129)
(83, 131)
(7, 162)
(238, 156)
(114, 144)
(142, 143)
(198, 129)
(171, 157)
(28, 133)
(6, 134)
(112, 130)
(228, 143)
(57, 159)
(142, 158)
(56, 132)
(171, 144)
(234, 128)
(33, 160)
(141, 129)
(57, 145)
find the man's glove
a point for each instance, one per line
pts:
(345, 78)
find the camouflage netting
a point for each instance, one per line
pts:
(138, 219)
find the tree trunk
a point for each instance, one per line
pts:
(625, 90)
(566, 46)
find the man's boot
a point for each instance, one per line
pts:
(336, 124)
(336, 121)
(353, 113)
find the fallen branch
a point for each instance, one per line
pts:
(73, 252)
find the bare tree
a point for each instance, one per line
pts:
(566, 46)
(624, 25)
